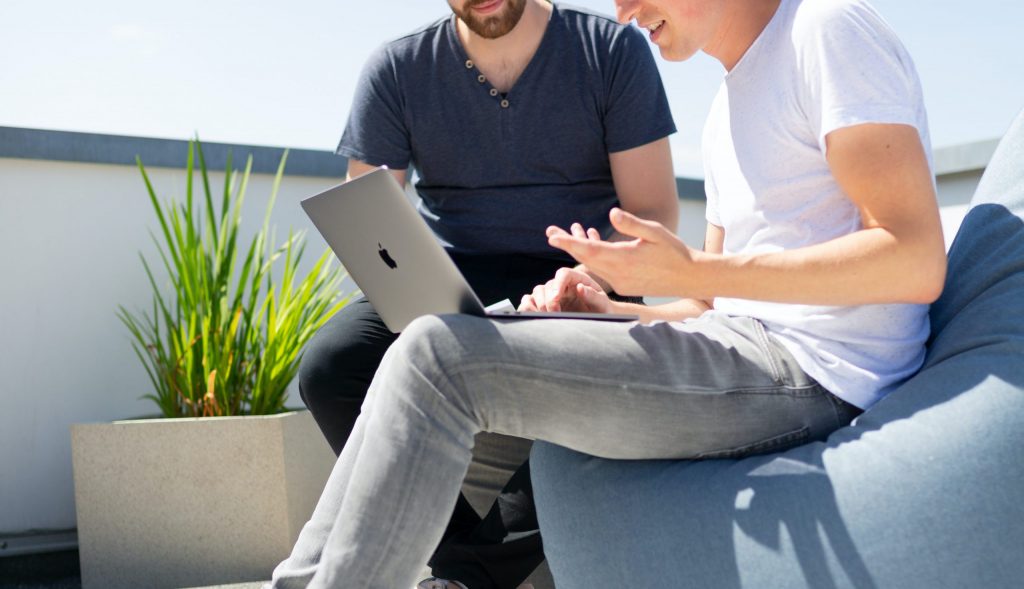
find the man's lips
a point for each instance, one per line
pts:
(654, 29)
(488, 7)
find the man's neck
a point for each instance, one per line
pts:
(742, 22)
(514, 49)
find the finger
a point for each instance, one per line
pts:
(577, 231)
(594, 234)
(591, 298)
(559, 287)
(555, 230)
(539, 298)
(527, 304)
(583, 250)
(629, 224)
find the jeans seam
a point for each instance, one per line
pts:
(769, 351)
(391, 534)
(770, 444)
(778, 388)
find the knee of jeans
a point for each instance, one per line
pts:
(436, 346)
(419, 342)
(425, 361)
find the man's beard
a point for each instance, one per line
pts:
(493, 26)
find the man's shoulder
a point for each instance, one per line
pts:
(590, 23)
(597, 29)
(812, 16)
(410, 44)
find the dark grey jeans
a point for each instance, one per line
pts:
(712, 387)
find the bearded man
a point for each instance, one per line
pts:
(516, 115)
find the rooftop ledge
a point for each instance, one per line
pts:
(71, 146)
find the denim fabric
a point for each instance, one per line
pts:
(924, 490)
(714, 386)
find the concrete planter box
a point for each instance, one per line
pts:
(192, 502)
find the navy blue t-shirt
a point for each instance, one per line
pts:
(496, 169)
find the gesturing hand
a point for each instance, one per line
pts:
(655, 263)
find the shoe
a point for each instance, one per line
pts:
(435, 583)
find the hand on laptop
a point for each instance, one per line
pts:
(569, 290)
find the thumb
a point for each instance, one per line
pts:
(591, 298)
(633, 226)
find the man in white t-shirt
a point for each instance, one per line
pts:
(807, 304)
(822, 219)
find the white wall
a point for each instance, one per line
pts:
(69, 237)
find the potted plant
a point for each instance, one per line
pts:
(217, 489)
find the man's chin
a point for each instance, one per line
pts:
(670, 54)
(489, 30)
(494, 26)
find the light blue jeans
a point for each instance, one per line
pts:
(712, 387)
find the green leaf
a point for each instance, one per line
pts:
(223, 322)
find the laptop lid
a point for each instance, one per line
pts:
(389, 251)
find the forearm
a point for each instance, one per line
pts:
(673, 311)
(871, 266)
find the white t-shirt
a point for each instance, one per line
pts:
(819, 65)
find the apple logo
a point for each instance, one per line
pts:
(384, 255)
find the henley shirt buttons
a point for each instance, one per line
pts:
(494, 92)
(504, 104)
(469, 64)
(481, 78)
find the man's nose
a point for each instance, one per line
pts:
(625, 10)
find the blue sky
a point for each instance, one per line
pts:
(276, 73)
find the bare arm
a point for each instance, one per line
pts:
(897, 257)
(646, 186)
(358, 168)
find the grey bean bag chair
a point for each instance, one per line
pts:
(924, 490)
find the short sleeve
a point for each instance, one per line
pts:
(855, 69)
(637, 110)
(710, 134)
(376, 132)
(711, 214)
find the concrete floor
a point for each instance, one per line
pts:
(58, 570)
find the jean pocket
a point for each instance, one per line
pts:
(773, 444)
(765, 343)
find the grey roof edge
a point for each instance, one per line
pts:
(72, 146)
(690, 189)
(97, 148)
(966, 157)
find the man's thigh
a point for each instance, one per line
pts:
(716, 384)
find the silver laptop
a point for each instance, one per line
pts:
(394, 258)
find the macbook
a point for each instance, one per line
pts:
(395, 259)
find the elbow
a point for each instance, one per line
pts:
(928, 281)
